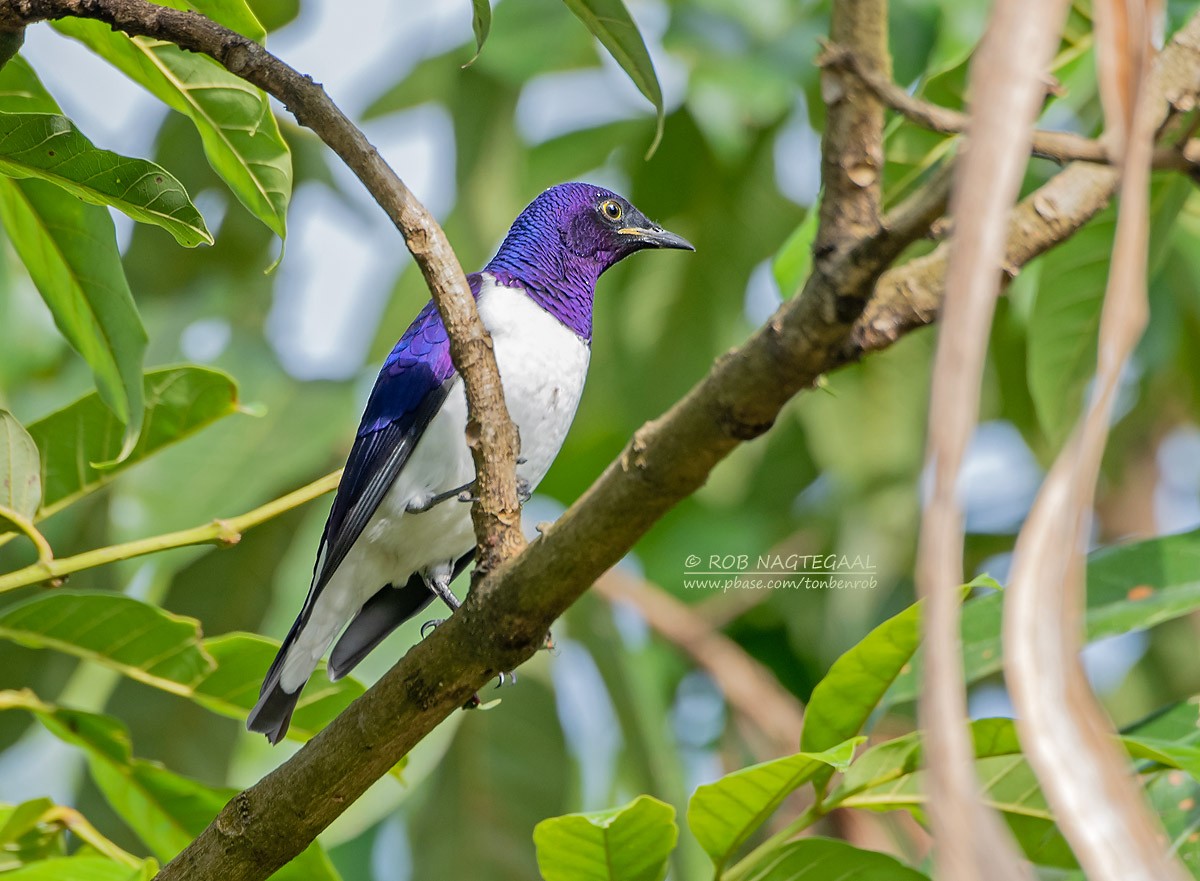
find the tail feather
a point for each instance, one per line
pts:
(273, 712)
(380, 615)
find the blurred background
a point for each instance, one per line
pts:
(617, 709)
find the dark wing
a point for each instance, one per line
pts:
(409, 392)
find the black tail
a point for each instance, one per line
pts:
(273, 712)
(380, 615)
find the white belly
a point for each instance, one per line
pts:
(543, 366)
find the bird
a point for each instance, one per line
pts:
(398, 532)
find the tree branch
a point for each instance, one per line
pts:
(852, 144)
(490, 432)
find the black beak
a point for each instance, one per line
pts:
(656, 237)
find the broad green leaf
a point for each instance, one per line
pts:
(274, 14)
(825, 859)
(793, 261)
(234, 14)
(240, 135)
(78, 869)
(165, 809)
(629, 843)
(889, 777)
(20, 476)
(70, 251)
(22, 92)
(179, 401)
(137, 639)
(844, 699)
(1129, 587)
(24, 838)
(49, 147)
(724, 814)
(612, 25)
(1066, 310)
(481, 23)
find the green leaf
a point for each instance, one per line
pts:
(24, 838)
(76, 869)
(793, 261)
(22, 92)
(612, 25)
(165, 809)
(70, 251)
(630, 843)
(234, 14)
(20, 474)
(817, 859)
(481, 23)
(179, 401)
(844, 699)
(1129, 587)
(49, 147)
(1066, 310)
(137, 639)
(724, 814)
(240, 135)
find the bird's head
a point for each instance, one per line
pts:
(576, 231)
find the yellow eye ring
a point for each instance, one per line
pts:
(611, 209)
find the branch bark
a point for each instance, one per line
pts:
(490, 432)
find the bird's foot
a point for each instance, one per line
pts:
(422, 507)
(429, 626)
(466, 493)
(548, 644)
(474, 702)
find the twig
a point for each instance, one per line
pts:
(1065, 733)
(25, 525)
(749, 687)
(970, 842)
(490, 432)
(222, 532)
(1060, 147)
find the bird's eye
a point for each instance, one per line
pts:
(612, 209)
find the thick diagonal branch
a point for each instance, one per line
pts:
(490, 432)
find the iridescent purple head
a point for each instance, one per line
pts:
(564, 239)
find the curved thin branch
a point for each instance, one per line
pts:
(490, 432)
(25, 525)
(224, 532)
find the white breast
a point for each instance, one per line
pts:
(543, 366)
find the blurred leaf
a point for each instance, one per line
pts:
(274, 14)
(242, 660)
(724, 814)
(165, 809)
(137, 639)
(70, 251)
(241, 137)
(486, 791)
(179, 401)
(793, 261)
(79, 869)
(1066, 310)
(888, 778)
(20, 475)
(481, 23)
(612, 25)
(51, 148)
(234, 14)
(24, 838)
(1130, 587)
(629, 843)
(829, 858)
